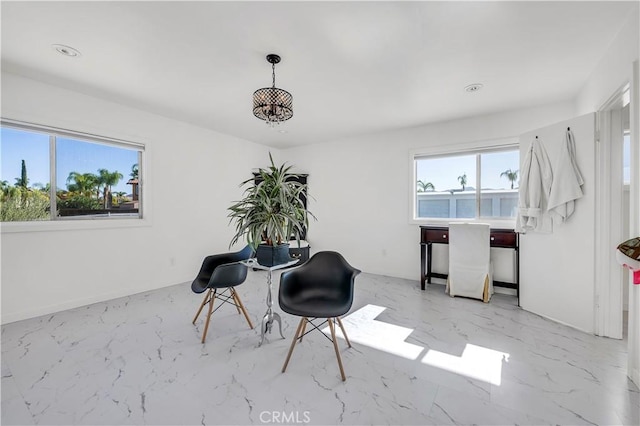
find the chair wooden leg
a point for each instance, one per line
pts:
(204, 302)
(304, 327)
(206, 324)
(335, 346)
(302, 323)
(344, 333)
(234, 296)
(239, 305)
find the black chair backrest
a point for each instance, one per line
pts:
(206, 277)
(326, 272)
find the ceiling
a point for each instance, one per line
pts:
(353, 67)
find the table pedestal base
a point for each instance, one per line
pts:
(269, 316)
(267, 323)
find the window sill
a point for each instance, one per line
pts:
(494, 223)
(72, 225)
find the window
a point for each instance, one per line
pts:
(51, 174)
(471, 184)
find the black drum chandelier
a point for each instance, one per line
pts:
(271, 104)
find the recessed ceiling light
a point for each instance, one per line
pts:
(473, 87)
(66, 50)
(282, 131)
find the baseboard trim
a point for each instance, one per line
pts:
(560, 322)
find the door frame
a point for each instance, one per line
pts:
(608, 224)
(633, 366)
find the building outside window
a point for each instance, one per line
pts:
(51, 174)
(467, 185)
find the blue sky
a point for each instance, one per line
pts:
(73, 155)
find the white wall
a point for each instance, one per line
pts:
(360, 186)
(614, 69)
(192, 175)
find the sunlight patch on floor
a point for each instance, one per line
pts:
(475, 362)
(364, 329)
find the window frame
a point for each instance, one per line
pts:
(471, 148)
(625, 133)
(79, 222)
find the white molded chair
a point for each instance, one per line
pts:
(469, 261)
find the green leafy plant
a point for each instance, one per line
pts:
(79, 201)
(425, 186)
(108, 179)
(272, 209)
(23, 181)
(463, 180)
(134, 171)
(84, 184)
(24, 205)
(511, 175)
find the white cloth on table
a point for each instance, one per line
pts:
(470, 261)
(567, 181)
(536, 179)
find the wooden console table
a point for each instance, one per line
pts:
(500, 238)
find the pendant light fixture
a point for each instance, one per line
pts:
(271, 104)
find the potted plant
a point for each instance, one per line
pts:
(271, 213)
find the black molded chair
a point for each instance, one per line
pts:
(224, 272)
(321, 288)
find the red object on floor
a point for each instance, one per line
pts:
(636, 277)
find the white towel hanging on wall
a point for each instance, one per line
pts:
(535, 186)
(567, 181)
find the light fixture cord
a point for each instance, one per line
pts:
(273, 74)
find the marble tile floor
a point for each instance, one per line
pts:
(425, 359)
